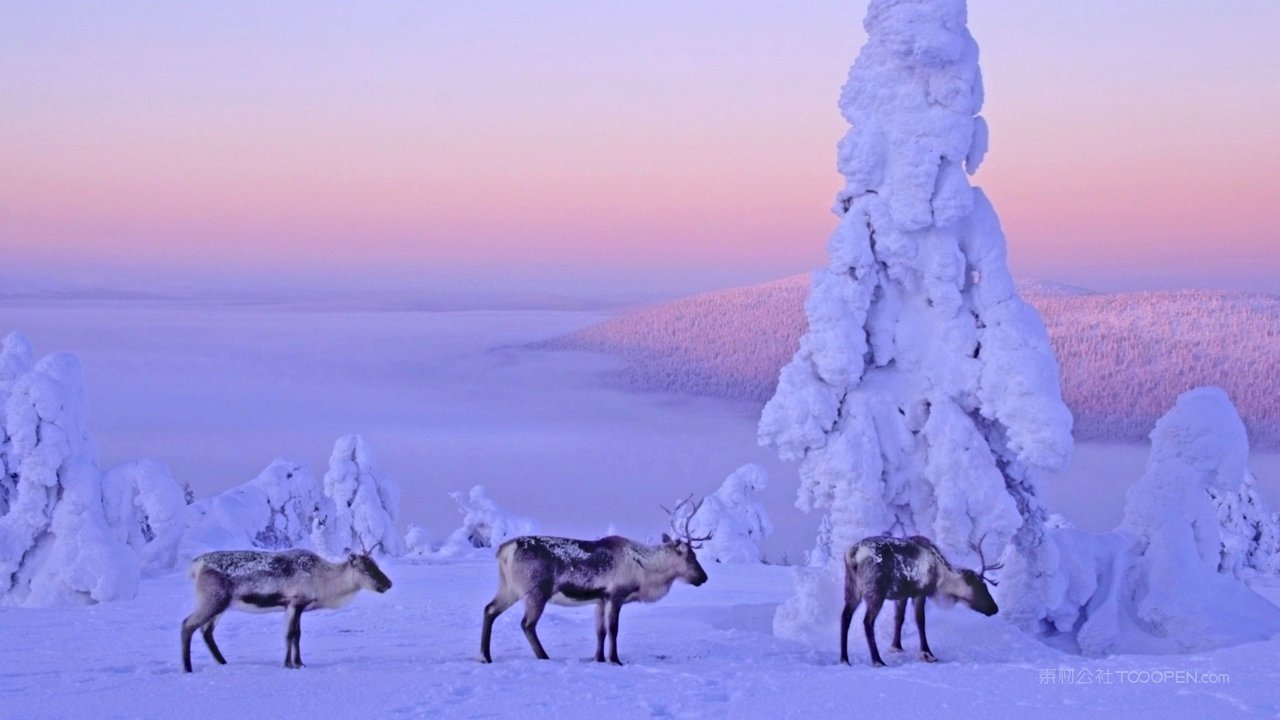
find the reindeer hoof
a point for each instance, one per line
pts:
(928, 657)
(895, 648)
(878, 663)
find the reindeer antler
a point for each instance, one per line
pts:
(982, 558)
(683, 531)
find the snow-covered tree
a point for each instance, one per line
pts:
(484, 524)
(1159, 586)
(146, 509)
(733, 516)
(924, 397)
(1250, 530)
(55, 543)
(419, 542)
(15, 361)
(363, 503)
(273, 511)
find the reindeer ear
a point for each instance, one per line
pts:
(666, 538)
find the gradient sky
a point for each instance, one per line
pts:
(657, 143)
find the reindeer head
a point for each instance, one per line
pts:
(977, 582)
(684, 543)
(368, 574)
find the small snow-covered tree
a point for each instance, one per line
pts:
(1161, 588)
(146, 509)
(1250, 530)
(273, 511)
(55, 543)
(734, 518)
(363, 503)
(924, 397)
(484, 524)
(419, 542)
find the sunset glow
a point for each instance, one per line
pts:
(656, 137)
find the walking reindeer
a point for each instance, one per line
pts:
(293, 580)
(888, 568)
(609, 572)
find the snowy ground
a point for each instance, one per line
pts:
(700, 653)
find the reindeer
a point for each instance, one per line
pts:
(888, 568)
(609, 572)
(293, 580)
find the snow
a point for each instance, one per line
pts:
(700, 652)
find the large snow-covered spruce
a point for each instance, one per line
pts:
(56, 545)
(363, 503)
(924, 397)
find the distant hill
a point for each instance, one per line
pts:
(1125, 357)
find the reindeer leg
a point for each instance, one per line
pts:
(292, 632)
(846, 619)
(614, 610)
(869, 625)
(297, 637)
(496, 607)
(852, 596)
(925, 654)
(207, 631)
(209, 607)
(600, 631)
(899, 616)
(534, 604)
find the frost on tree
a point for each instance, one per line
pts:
(274, 511)
(55, 543)
(146, 509)
(733, 516)
(363, 503)
(1156, 584)
(1250, 530)
(484, 524)
(924, 397)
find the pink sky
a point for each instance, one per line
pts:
(1134, 144)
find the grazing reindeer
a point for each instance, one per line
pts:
(609, 572)
(889, 568)
(294, 581)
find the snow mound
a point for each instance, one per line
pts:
(733, 343)
(273, 511)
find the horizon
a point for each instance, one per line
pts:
(643, 152)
